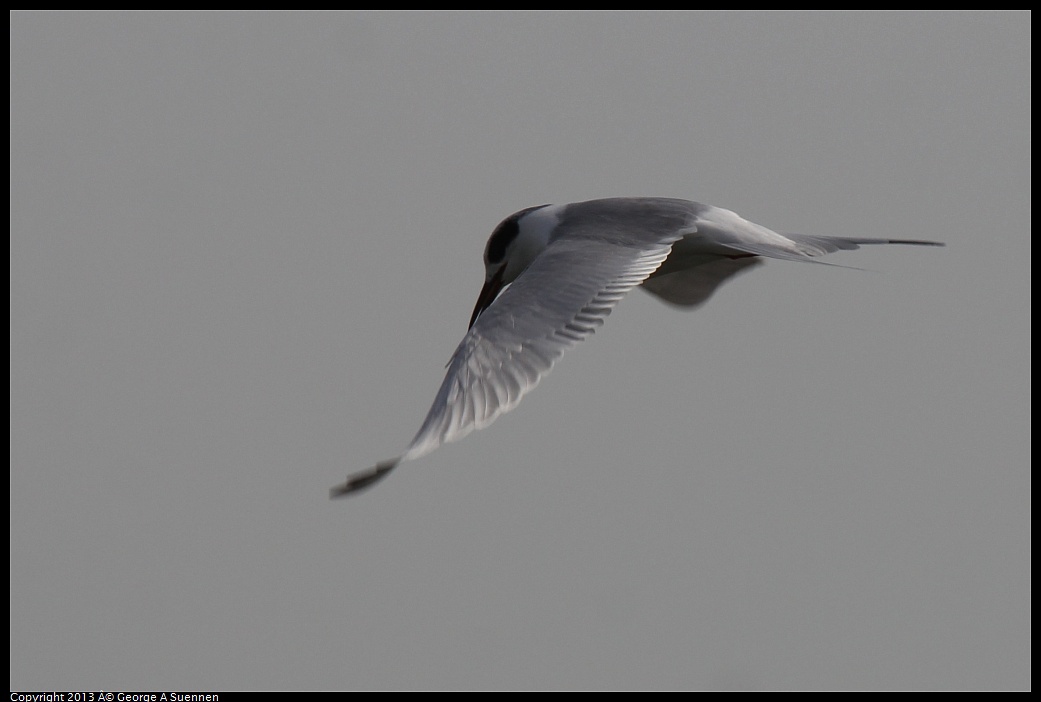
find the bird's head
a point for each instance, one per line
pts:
(513, 245)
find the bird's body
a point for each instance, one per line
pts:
(553, 273)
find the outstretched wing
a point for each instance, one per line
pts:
(727, 244)
(722, 231)
(559, 300)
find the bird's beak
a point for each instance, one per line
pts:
(492, 287)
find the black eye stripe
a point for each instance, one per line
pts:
(504, 234)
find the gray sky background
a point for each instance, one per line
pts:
(244, 245)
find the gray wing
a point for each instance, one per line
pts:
(559, 300)
(724, 232)
(726, 244)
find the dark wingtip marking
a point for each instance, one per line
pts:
(916, 242)
(362, 481)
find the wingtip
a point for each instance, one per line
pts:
(917, 242)
(361, 481)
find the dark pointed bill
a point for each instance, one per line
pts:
(489, 292)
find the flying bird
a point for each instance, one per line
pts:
(554, 272)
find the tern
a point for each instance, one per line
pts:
(554, 272)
